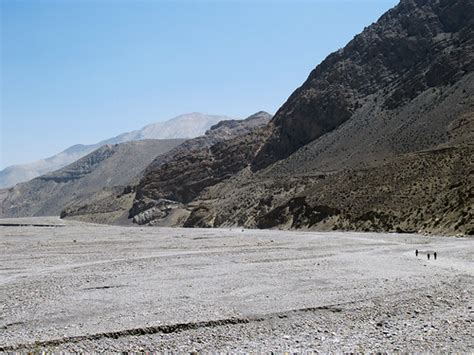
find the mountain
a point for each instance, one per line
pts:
(177, 176)
(106, 167)
(379, 137)
(189, 125)
(389, 79)
(14, 174)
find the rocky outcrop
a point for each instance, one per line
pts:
(181, 174)
(187, 175)
(296, 213)
(161, 209)
(419, 44)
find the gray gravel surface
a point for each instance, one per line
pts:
(85, 287)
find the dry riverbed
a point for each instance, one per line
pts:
(84, 287)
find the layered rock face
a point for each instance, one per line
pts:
(184, 172)
(419, 44)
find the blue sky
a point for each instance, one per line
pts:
(81, 71)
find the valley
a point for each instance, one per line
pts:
(340, 222)
(108, 288)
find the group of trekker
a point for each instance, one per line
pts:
(428, 255)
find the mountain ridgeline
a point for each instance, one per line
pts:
(378, 138)
(188, 125)
(178, 176)
(106, 167)
(417, 46)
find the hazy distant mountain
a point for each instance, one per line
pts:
(108, 166)
(105, 178)
(188, 125)
(14, 174)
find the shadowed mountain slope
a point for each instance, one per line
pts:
(108, 166)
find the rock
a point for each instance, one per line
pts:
(161, 208)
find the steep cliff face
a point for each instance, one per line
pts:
(419, 44)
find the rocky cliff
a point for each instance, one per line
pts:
(419, 45)
(181, 174)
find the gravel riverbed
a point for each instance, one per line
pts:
(84, 287)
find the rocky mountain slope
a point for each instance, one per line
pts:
(177, 176)
(189, 125)
(429, 191)
(414, 51)
(379, 137)
(106, 167)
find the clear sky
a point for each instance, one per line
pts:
(79, 71)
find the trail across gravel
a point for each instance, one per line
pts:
(84, 287)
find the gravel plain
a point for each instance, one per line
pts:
(84, 287)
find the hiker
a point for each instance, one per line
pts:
(428, 255)
(416, 252)
(434, 254)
